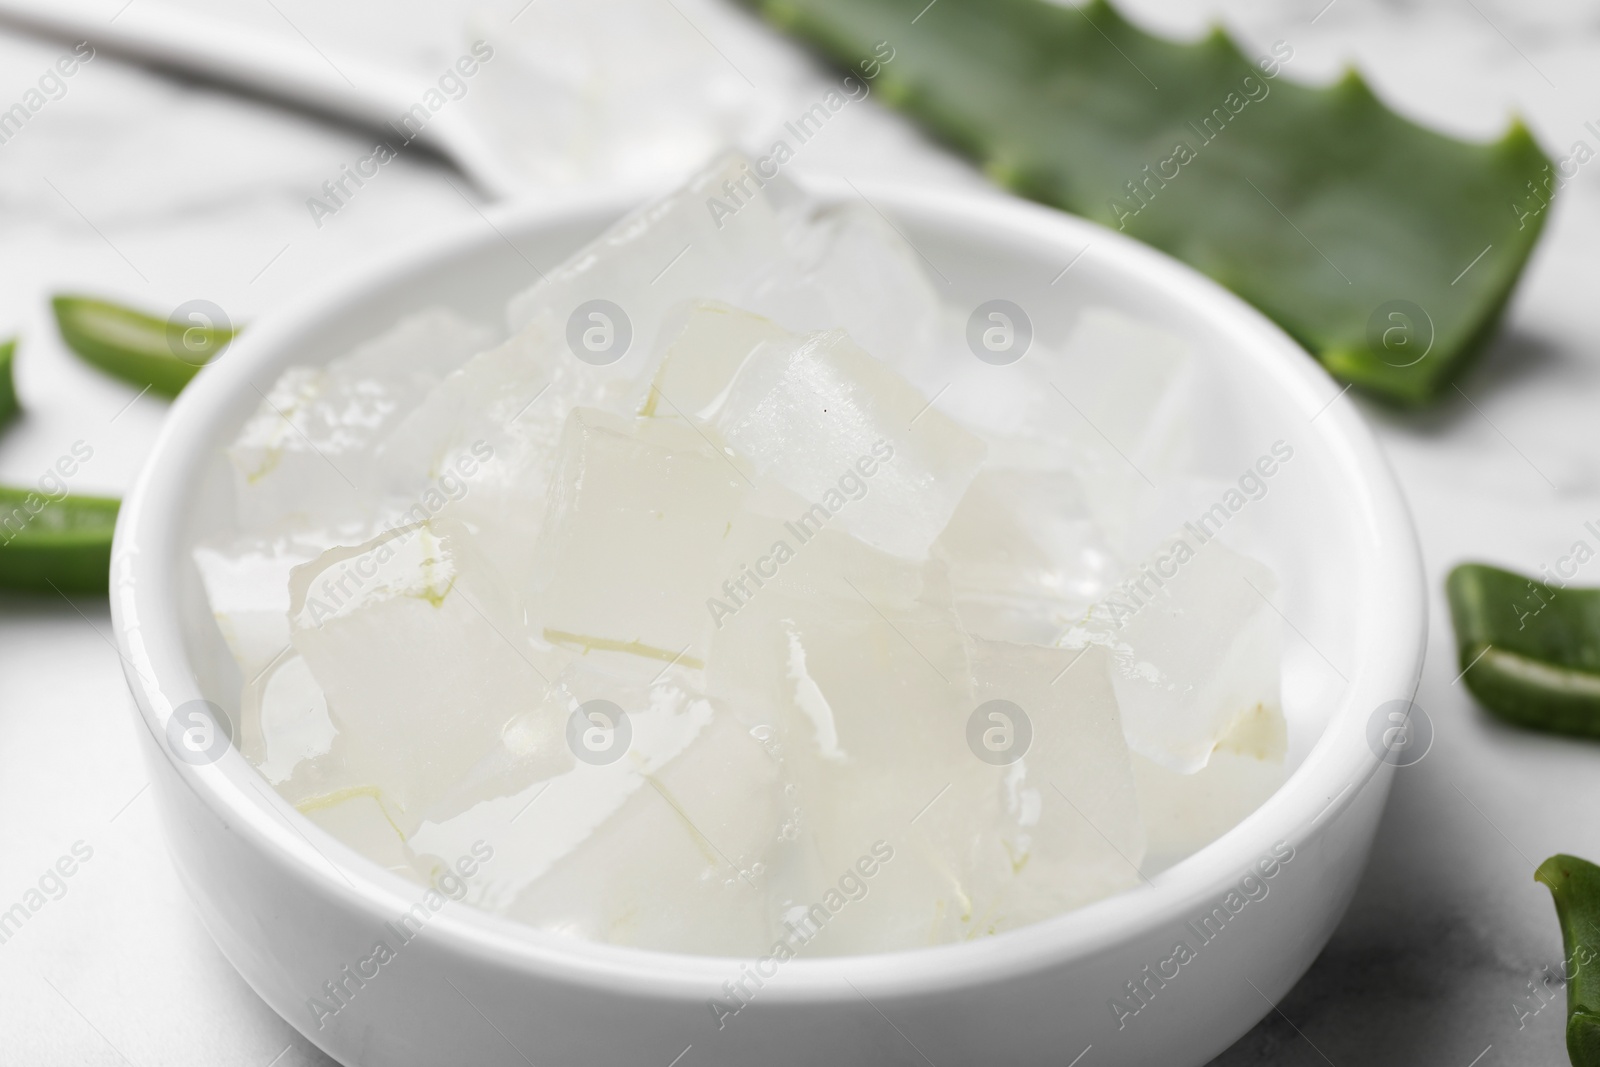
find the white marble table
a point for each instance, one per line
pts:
(137, 185)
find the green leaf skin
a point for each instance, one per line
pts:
(8, 385)
(1575, 885)
(61, 545)
(136, 347)
(1318, 206)
(1530, 651)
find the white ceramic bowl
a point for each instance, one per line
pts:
(292, 908)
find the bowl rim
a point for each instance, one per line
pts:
(1389, 648)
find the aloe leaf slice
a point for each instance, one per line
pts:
(1529, 651)
(60, 543)
(1386, 249)
(8, 385)
(139, 348)
(1575, 885)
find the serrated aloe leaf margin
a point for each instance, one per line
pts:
(1386, 249)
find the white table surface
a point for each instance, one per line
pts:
(138, 186)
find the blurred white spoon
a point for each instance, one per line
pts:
(276, 69)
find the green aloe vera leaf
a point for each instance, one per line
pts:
(1530, 652)
(55, 543)
(8, 385)
(140, 348)
(1575, 885)
(1386, 249)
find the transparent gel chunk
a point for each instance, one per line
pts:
(246, 580)
(623, 721)
(423, 662)
(1185, 812)
(680, 866)
(630, 546)
(305, 456)
(1064, 821)
(852, 438)
(1111, 402)
(855, 272)
(286, 720)
(1195, 644)
(865, 706)
(485, 441)
(757, 243)
(1025, 557)
(776, 544)
(698, 242)
(710, 342)
(1130, 386)
(360, 819)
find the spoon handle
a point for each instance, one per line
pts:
(263, 65)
